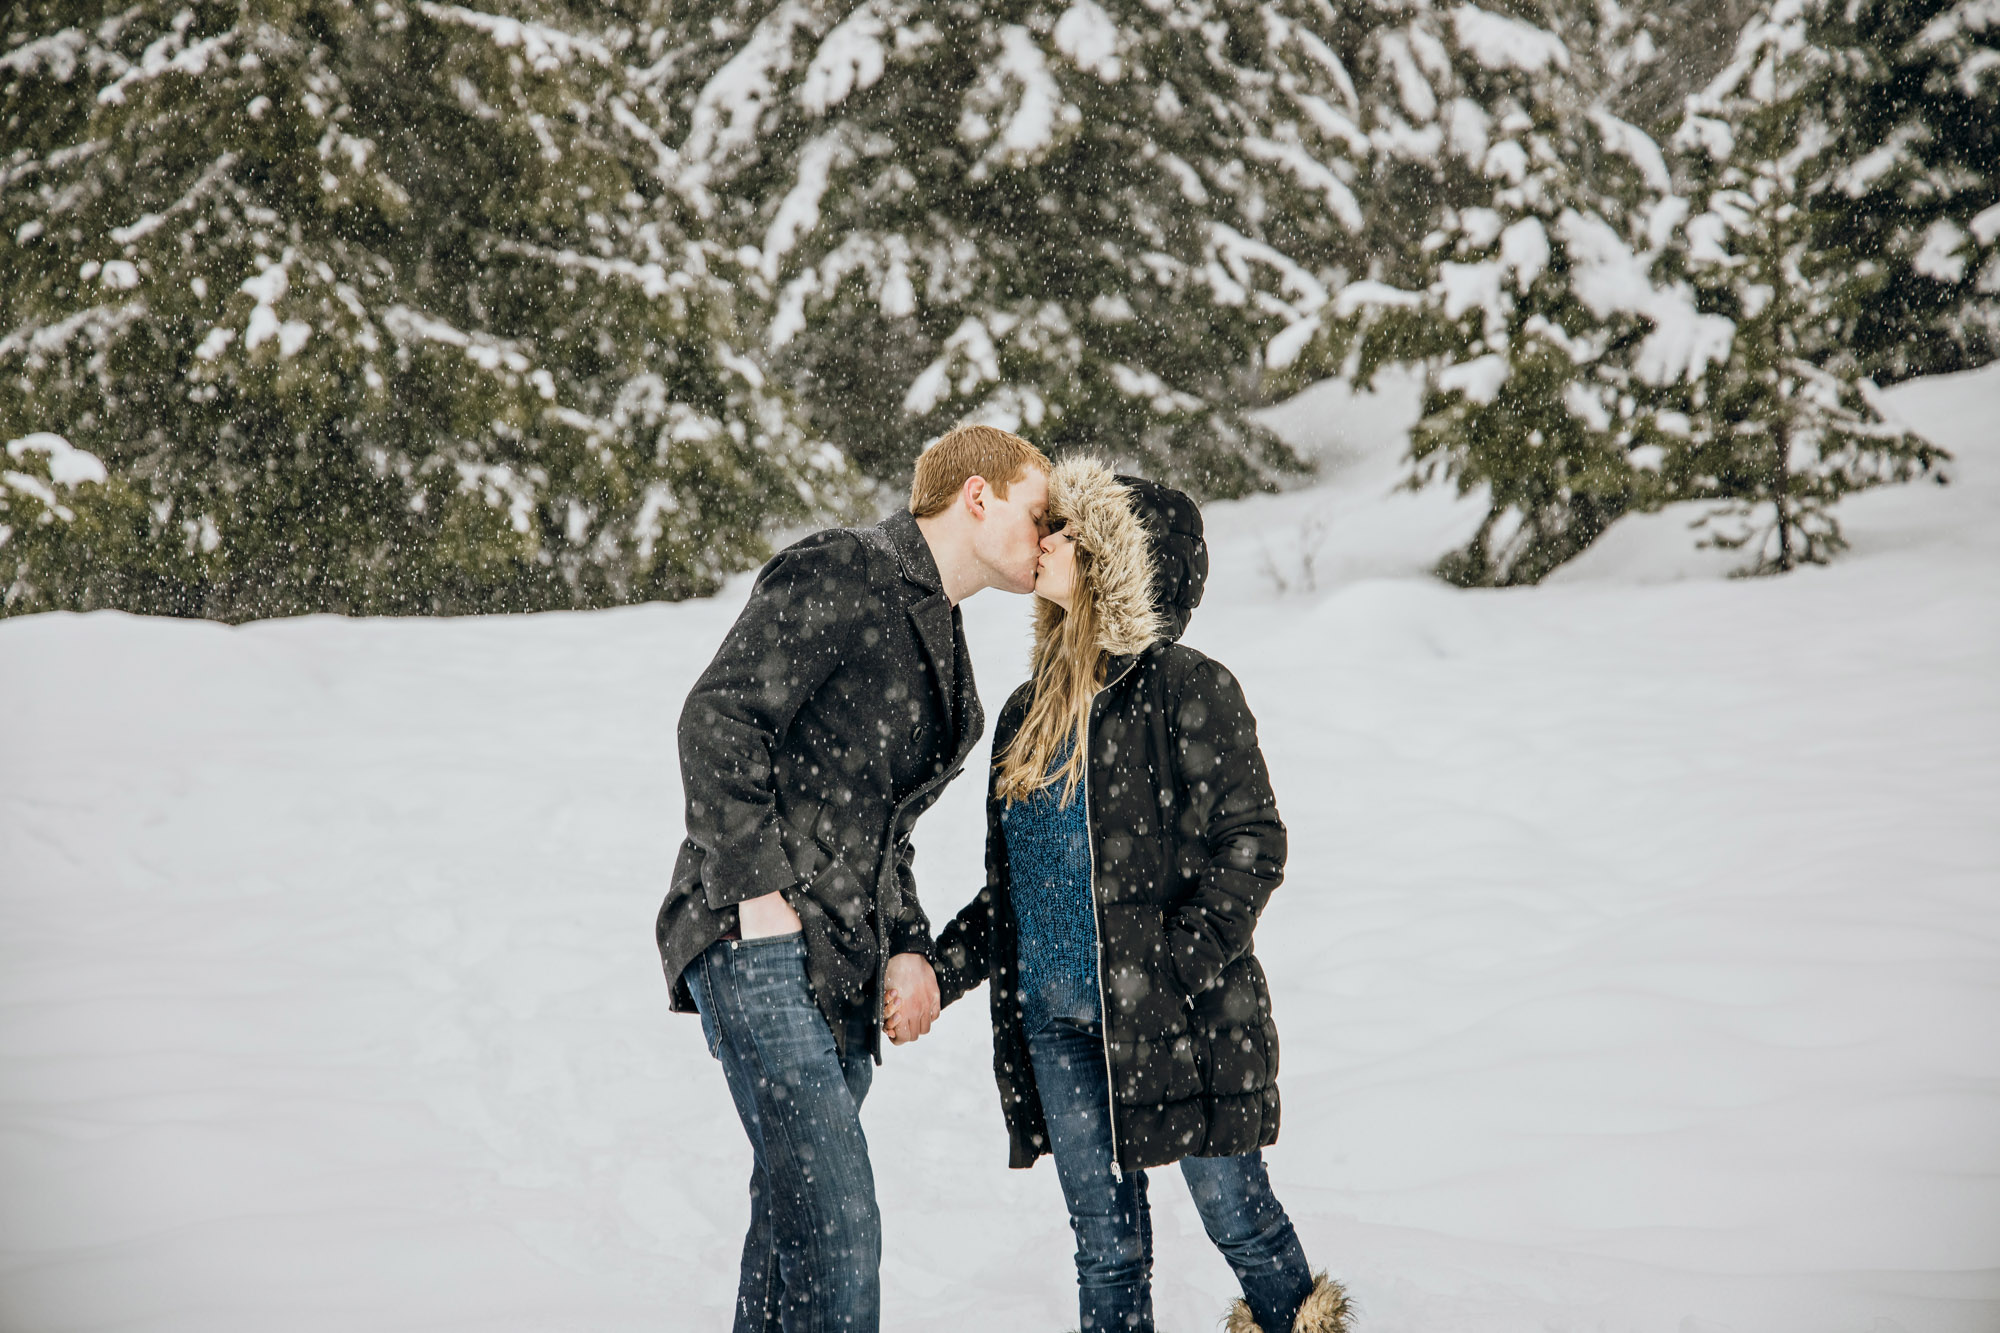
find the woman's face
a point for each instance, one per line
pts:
(1055, 572)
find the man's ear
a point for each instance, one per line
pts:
(973, 493)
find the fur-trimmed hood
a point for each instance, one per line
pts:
(1096, 509)
(1175, 548)
(1148, 559)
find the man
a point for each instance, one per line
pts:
(836, 710)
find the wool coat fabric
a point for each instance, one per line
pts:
(839, 705)
(1186, 847)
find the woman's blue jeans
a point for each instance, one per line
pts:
(813, 1256)
(1113, 1226)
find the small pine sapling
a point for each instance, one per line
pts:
(1783, 426)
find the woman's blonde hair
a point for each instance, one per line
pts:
(1068, 667)
(1110, 613)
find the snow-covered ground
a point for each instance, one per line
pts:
(1638, 967)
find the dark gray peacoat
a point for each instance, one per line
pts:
(839, 705)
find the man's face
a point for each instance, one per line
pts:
(1008, 539)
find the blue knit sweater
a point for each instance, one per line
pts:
(1048, 862)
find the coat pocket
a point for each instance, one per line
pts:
(843, 946)
(1233, 1034)
(842, 954)
(1153, 1058)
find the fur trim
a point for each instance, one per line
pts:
(1097, 509)
(1327, 1310)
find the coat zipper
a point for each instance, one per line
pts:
(1097, 915)
(881, 921)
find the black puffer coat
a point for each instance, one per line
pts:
(834, 713)
(1186, 845)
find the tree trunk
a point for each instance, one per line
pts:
(1781, 487)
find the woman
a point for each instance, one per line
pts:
(1132, 1026)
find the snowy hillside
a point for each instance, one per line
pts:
(1638, 966)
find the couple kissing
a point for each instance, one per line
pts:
(1132, 841)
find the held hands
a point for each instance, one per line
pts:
(910, 992)
(910, 998)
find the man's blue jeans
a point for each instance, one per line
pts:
(812, 1259)
(1113, 1226)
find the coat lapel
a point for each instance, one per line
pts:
(940, 631)
(932, 617)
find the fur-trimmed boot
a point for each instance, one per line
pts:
(1326, 1310)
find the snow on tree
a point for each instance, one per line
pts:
(1657, 53)
(1595, 341)
(1908, 98)
(404, 306)
(1083, 220)
(1782, 426)
(44, 481)
(1527, 298)
(370, 307)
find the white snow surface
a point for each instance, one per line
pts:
(1031, 128)
(544, 48)
(1986, 224)
(1411, 86)
(1637, 967)
(1479, 379)
(730, 106)
(1499, 42)
(1941, 256)
(1310, 173)
(67, 464)
(851, 59)
(1637, 146)
(798, 212)
(1610, 278)
(1089, 37)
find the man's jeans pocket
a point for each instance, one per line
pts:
(704, 1004)
(733, 972)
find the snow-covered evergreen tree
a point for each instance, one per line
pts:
(375, 306)
(1907, 191)
(1528, 301)
(1083, 219)
(1656, 52)
(1782, 426)
(1595, 340)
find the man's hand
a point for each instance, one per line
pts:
(768, 915)
(910, 1003)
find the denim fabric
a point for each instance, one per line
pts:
(813, 1255)
(1114, 1230)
